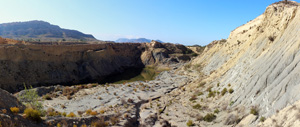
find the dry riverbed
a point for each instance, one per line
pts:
(127, 104)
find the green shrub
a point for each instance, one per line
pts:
(194, 97)
(194, 54)
(197, 106)
(254, 111)
(32, 114)
(262, 119)
(209, 117)
(224, 91)
(30, 97)
(216, 111)
(231, 103)
(200, 93)
(201, 84)
(230, 91)
(209, 89)
(211, 94)
(64, 114)
(190, 123)
(47, 97)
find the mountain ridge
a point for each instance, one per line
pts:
(136, 40)
(41, 31)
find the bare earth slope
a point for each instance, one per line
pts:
(260, 60)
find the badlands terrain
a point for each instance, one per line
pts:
(250, 79)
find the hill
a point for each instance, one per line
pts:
(41, 31)
(138, 40)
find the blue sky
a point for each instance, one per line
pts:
(178, 21)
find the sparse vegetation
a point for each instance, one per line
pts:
(47, 97)
(100, 123)
(211, 94)
(216, 111)
(32, 114)
(102, 111)
(230, 91)
(114, 120)
(224, 91)
(88, 112)
(71, 114)
(262, 119)
(93, 113)
(231, 103)
(201, 84)
(271, 38)
(190, 123)
(197, 106)
(254, 111)
(4, 111)
(30, 97)
(209, 117)
(194, 97)
(14, 109)
(200, 93)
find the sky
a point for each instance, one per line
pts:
(187, 22)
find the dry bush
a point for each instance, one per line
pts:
(114, 120)
(254, 111)
(88, 112)
(190, 123)
(32, 114)
(47, 97)
(93, 113)
(130, 100)
(4, 111)
(80, 113)
(194, 97)
(71, 114)
(99, 123)
(232, 119)
(15, 109)
(224, 91)
(209, 117)
(102, 111)
(271, 38)
(69, 91)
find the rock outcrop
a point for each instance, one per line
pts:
(64, 64)
(156, 52)
(260, 60)
(40, 65)
(7, 100)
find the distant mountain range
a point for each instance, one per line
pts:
(41, 31)
(138, 40)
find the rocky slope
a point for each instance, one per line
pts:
(259, 61)
(74, 64)
(40, 31)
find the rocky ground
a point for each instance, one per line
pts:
(139, 103)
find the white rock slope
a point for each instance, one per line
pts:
(260, 60)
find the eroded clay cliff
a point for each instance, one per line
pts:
(259, 59)
(38, 65)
